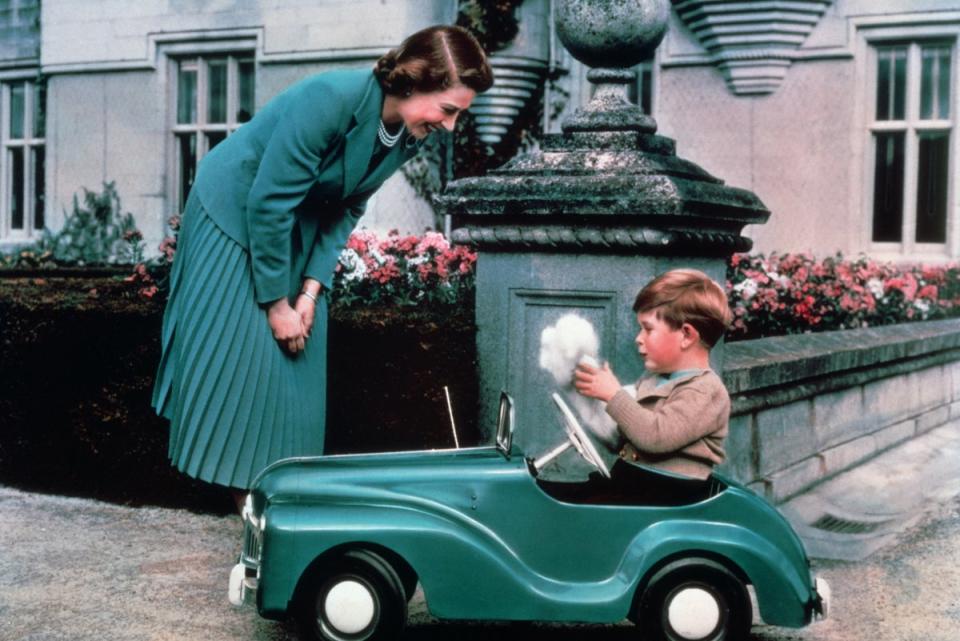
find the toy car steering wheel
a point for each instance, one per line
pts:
(579, 439)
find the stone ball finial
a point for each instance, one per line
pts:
(611, 33)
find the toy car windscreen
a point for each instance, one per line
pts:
(505, 424)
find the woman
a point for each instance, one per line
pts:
(242, 377)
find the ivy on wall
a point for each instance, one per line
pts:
(443, 158)
(492, 22)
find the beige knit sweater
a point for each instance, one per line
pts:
(679, 426)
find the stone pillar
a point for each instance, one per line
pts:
(583, 223)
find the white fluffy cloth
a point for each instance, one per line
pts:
(562, 346)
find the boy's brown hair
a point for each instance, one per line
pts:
(687, 296)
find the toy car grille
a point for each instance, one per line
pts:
(252, 546)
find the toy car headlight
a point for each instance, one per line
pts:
(258, 524)
(247, 511)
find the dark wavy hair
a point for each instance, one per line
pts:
(434, 59)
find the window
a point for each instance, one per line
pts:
(22, 160)
(910, 135)
(214, 96)
(641, 91)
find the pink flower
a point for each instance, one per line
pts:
(910, 286)
(932, 274)
(432, 240)
(848, 303)
(361, 239)
(407, 244)
(168, 247)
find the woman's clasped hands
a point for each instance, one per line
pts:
(291, 325)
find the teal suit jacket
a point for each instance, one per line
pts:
(290, 184)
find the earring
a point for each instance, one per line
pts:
(410, 140)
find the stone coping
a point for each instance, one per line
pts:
(805, 363)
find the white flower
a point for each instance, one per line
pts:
(875, 285)
(923, 306)
(747, 289)
(377, 256)
(353, 266)
(775, 276)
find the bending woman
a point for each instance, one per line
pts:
(242, 377)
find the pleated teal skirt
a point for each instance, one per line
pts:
(235, 400)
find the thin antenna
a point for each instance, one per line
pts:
(453, 425)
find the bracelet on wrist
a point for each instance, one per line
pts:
(312, 297)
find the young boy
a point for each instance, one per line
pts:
(678, 420)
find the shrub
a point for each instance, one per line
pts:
(96, 233)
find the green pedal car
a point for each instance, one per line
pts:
(341, 543)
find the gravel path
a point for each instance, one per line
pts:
(80, 570)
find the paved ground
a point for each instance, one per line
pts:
(79, 570)
(853, 515)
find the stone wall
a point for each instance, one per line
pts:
(806, 407)
(78, 34)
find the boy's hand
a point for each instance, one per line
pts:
(599, 383)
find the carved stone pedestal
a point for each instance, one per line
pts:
(583, 223)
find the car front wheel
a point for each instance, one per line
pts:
(359, 597)
(695, 600)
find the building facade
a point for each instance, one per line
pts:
(137, 92)
(840, 114)
(22, 123)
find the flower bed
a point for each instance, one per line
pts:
(403, 270)
(770, 295)
(794, 293)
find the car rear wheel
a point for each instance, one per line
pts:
(358, 597)
(695, 600)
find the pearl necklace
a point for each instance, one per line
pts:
(387, 139)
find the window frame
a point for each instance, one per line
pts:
(651, 67)
(29, 143)
(199, 59)
(914, 38)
